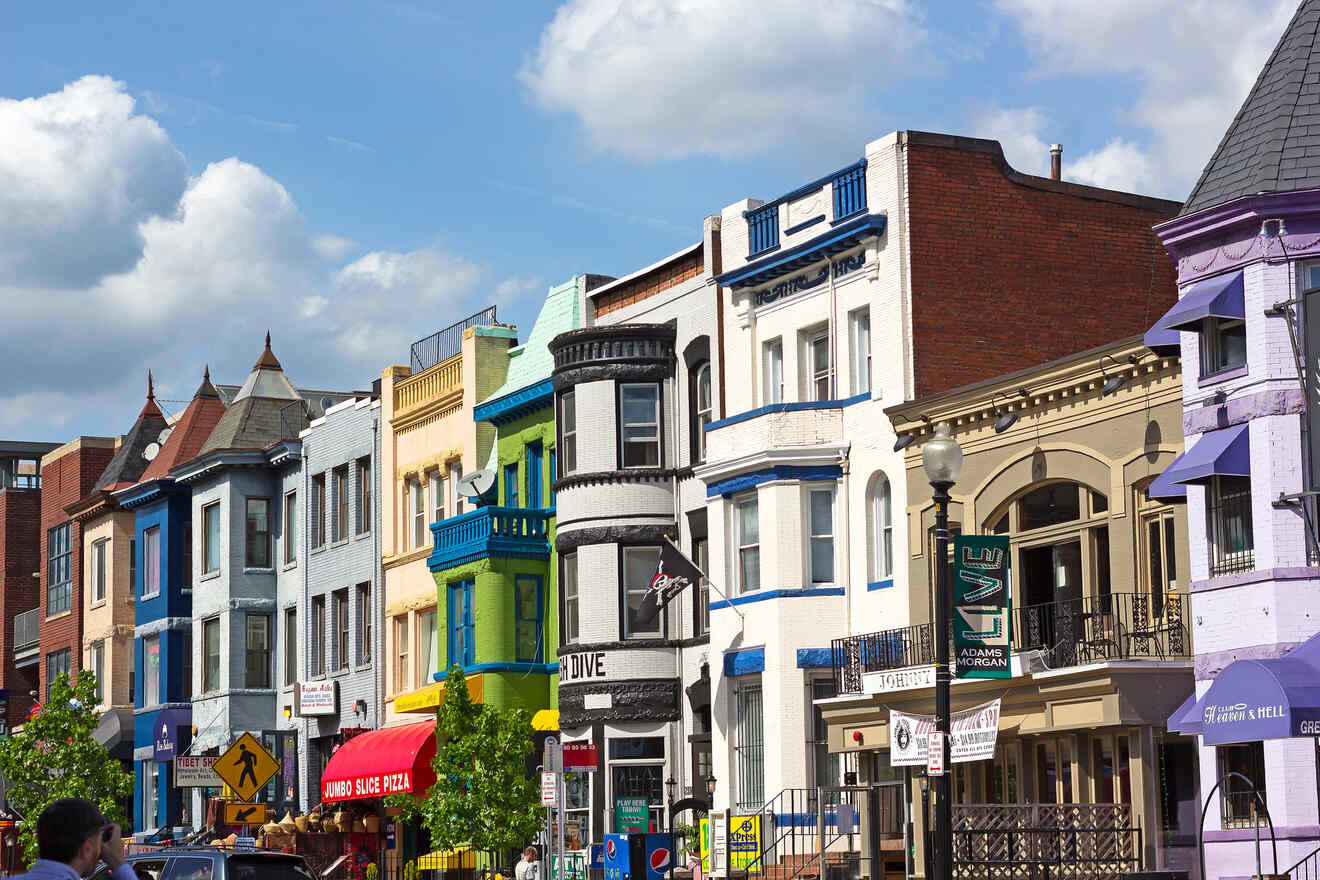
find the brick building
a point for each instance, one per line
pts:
(20, 585)
(68, 474)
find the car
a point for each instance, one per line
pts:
(213, 863)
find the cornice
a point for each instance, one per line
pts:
(763, 459)
(421, 553)
(443, 405)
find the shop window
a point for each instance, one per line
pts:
(364, 500)
(639, 425)
(569, 588)
(1237, 806)
(1228, 512)
(1046, 774)
(150, 796)
(1223, 345)
(568, 432)
(749, 746)
(772, 357)
(637, 770)
(637, 748)
(527, 602)
(1049, 505)
(257, 533)
(880, 511)
(747, 524)
(1102, 769)
(1065, 773)
(639, 566)
(1180, 808)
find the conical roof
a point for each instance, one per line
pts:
(129, 461)
(190, 431)
(265, 410)
(267, 379)
(1273, 144)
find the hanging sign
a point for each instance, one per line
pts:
(981, 606)
(972, 735)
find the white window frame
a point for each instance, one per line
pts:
(456, 474)
(150, 695)
(206, 538)
(151, 561)
(812, 538)
(290, 531)
(417, 513)
(705, 409)
(567, 433)
(881, 503)
(96, 661)
(429, 644)
(772, 355)
(402, 651)
(859, 325)
(572, 609)
(627, 590)
(437, 486)
(740, 548)
(641, 427)
(814, 376)
(100, 550)
(1211, 344)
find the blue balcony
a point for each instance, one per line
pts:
(762, 229)
(849, 187)
(490, 532)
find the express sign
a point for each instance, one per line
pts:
(368, 786)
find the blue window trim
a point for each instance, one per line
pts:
(815, 658)
(794, 406)
(743, 482)
(464, 631)
(535, 478)
(515, 404)
(837, 240)
(880, 585)
(511, 484)
(805, 224)
(550, 484)
(538, 621)
(767, 595)
(519, 668)
(744, 662)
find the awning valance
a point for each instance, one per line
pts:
(1167, 343)
(427, 699)
(1253, 700)
(1225, 453)
(545, 719)
(393, 760)
(1218, 297)
(1162, 488)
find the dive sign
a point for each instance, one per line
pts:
(981, 606)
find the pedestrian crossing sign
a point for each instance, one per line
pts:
(246, 766)
(237, 813)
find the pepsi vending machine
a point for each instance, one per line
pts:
(638, 856)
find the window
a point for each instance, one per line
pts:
(825, 768)
(318, 510)
(98, 569)
(1223, 345)
(257, 553)
(821, 521)
(749, 746)
(317, 637)
(364, 624)
(456, 474)
(151, 671)
(150, 794)
(553, 473)
(256, 650)
(639, 425)
(462, 629)
(339, 524)
(364, 500)
(1049, 505)
(290, 527)
(437, 497)
(57, 664)
(59, 569)
(1237, 807)
(187, 684)
(97, 663)
(151, 562)
(773, 358)
(639, 565)
(527, 618)
(426, 644)
(1161, 557)
(133, 566)
(568, 432)
(569, 587)
(1228, 509)
(637, 770)
(340, 608)
(418, 513)
(534, 464)
(401, 679)
(859, 324)
(211, 664)
(703, 408)
(290, 646)
(818, 360)
(749, 545)
(511, 485)
(882, 529)
(701, 556)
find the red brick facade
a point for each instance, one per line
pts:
(20, 558)
(1010, 271)
(67, 475)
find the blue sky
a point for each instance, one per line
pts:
(356, 175)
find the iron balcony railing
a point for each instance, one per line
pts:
(446, 343)
(849, 187)
(762, 229)
(1072, 632)
(26, 626)
(507, 532)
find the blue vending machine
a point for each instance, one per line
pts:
(638, 856)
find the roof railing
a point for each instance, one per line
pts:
(446, 343)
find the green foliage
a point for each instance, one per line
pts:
(690, 835)
(54, 757)
(482, 796)
(410, 871)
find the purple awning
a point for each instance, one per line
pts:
(1218, 297)
(1253, 700)
(1167, 343)
(1164, 489)
(1226, 452)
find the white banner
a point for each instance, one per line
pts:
(196, 772)
(972, 735)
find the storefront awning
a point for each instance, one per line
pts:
(1186, 719)
(1218, 297)
(1167, 343)
(545, 719)
(1253, 700)
(1162, 488)
(428, 699)
(114, 730)
(393, 760)
(1226, 452)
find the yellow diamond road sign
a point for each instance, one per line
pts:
(247, 766)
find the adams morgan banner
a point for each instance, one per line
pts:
(981, 606)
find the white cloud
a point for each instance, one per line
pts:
(1018, 131)
(1193, 62)
(666, 79)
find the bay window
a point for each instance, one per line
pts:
(748, 532)
(639, 425)
(639, 566)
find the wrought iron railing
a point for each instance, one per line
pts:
(444, 344)
(849, 188)
(294, 419)
(1078, 841)
(1073, 632)
(762, 229)
(27, 628)
(790, 826)
(1306, 869)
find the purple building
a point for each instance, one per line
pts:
(1247, 249)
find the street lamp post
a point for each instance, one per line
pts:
(942, 459)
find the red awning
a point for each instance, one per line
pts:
(394, 760)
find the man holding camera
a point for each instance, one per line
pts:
(72, 838)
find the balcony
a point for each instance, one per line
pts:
(27, 643)
(1074, 632)
(444, 344)
(503, 532)
(438, 386)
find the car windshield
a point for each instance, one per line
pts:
(267, 868)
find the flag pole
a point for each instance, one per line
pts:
(711, 584)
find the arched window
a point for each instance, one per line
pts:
(702, 409)
(880, 513)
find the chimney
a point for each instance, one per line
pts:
(1056, 161)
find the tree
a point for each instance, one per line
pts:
(482, 796)
(55, 756)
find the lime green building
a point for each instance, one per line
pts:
(494, 566)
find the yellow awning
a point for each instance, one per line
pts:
(447, 860)
(545, 719)
(429, 698)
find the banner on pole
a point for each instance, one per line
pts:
(981, 604)
(972, 735)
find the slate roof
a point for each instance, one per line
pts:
(532, 362)
(127, 464)
(191, 430)
(253, 420)
(1273, 144)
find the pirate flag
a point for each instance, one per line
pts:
(672, 575)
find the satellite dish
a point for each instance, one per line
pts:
(164, 435)
(476, 484)
(152, 450)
